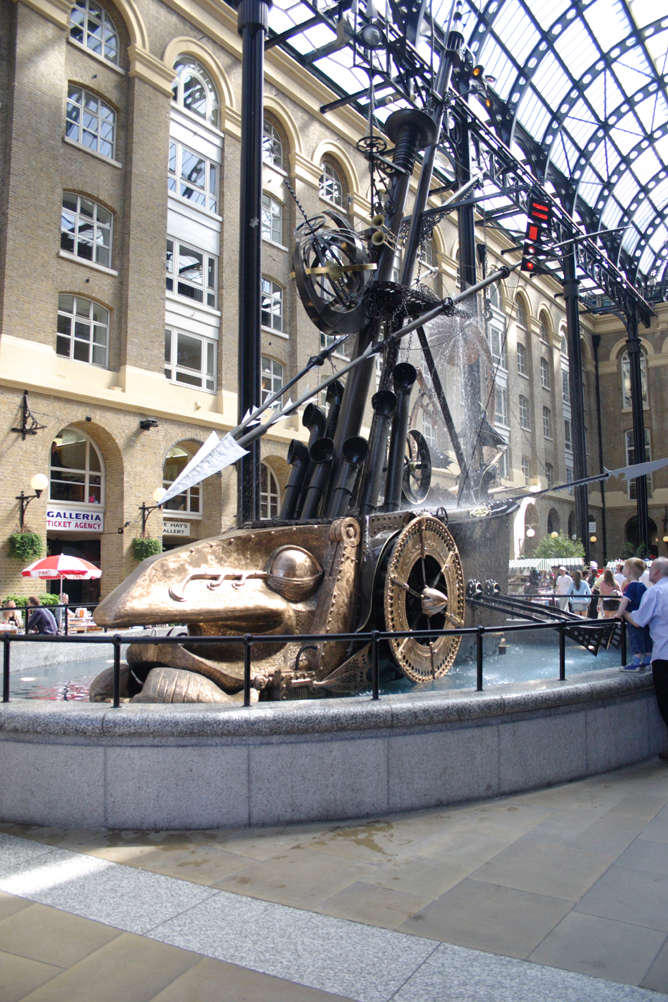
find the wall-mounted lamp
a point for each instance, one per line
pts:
(592, 539)
(530, 532)
(554, 535)
(158, 495)
(147, 423)
(121, 529)
(39, 484)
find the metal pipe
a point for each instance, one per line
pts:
(355, 451)
(5, 668)
(479, 657)
(596, 341)
(375, 693)
(253, 17)
(334, 397)
(248, 644)
(314, 419)
(403, 378)
(562, 653)
(637, 405)
(571, 287)
(117, 671)
(298, 458)
(384, 404)
(321, 453)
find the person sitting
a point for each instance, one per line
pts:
(580, 594)
(9, 614)
(41, 620)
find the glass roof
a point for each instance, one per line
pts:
(580, 92)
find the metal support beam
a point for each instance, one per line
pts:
(571, 287)
(596, 341)
(634, 350)
(253, 16)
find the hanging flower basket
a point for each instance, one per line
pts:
(147, 547)
(25, 546)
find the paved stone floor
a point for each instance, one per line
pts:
(552, 895)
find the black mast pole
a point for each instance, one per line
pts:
(571, 287)
(253, 16)
(596, 341)
(633, 348)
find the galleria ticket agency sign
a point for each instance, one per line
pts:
(175, 528)
(69, 520)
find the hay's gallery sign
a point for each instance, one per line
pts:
(70, 520)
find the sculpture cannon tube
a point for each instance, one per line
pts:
(321, 453)
(403, 378)
(355, 451)
(299, 459)
(334, 397)
(315, 420)
(384, 404)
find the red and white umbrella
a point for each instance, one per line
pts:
(62, 567)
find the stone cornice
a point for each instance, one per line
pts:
(150, 69)
(57, 11)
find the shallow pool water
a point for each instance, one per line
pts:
(535, 657)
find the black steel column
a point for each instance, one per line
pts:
(253, 18)
(571, 292)
(596, 341)
(634, 349)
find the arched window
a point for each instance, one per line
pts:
(544, 328)
(331, 186)
(520, 313)
(77, 472)
(177, 459)
(86, 229)
(90, 121)
(269, 492)
(564, 346)
(553, 520)
(91, 26)
(428, 255)
(272, 305)
(626, 379)
(272, 145)
(494, 297)
(83, 330)
(194, 90)
(272, 219)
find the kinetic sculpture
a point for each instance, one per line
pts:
(338, 559)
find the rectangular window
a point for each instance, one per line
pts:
(272, 219)
(83, 330)
(272, 305)
(504, 464)
(521, 359)
(524, 413)
(544, 374)
(193, 177)
(498, 345)
(566, 387)
(569, 477)
(568, 439)
(525, 471)
(501, 415)
(272, 379)
(191, 273)
(327, 340)
(549, 475)
(547, 422)
(85, 229)
(190, 360)
(631, 459)
(90, 121)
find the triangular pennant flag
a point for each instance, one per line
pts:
(202, 453)
(639, 469)
(223, 454)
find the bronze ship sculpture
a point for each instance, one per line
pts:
(359, 543)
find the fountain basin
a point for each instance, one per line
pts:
(195, 766)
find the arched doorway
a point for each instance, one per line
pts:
(572, 534)
(553, 521)
(632, 535)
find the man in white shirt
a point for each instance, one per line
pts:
(618, 576)
(562, 586)
(653, 612)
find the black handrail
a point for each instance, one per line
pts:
(374, 638)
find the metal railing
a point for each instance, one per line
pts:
(26, 611)
(374, 637)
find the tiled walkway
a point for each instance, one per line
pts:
(499, 899)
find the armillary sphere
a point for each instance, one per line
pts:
(417, 468)
(332, 270)
(424, 589)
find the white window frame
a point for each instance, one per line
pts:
(522, 354)
(521, 315)
(96, 320)
(207, 288)
(544, 330)
(273, 295)
(526, 470)
(545, 374)
(270, 493)
(330, 184)
(547, 423)
(566, 387)
(191, 497)
(80, 223)
(88, 475)
(272, 220)
(549, 475)
(327, 340)
(203, 378)
(568, 435)
(499, 346)
(501, 407)
(273, 151)
(524, 415)
(273, 377)
(93, 125)
(211, 102)
(94, 29)
(503, 464)
(626, 380)
(203, 196)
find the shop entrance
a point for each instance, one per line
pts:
(80, 592)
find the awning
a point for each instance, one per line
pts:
(545, 564)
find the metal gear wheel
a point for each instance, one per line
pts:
(424, 589)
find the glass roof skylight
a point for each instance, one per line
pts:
(586, 89)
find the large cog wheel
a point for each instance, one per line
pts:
(424, 589)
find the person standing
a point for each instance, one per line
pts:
(42, 620)
(580, 594)
(639, 637)
(653, 613)
(610, 595)
(562, 587)
(619, 577)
